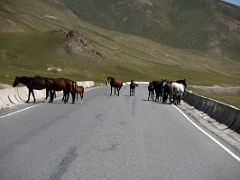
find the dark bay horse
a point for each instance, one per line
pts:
(133, 85)
(33, 83)
(65, 85)
(158, 88)
(114, 83)
(150, 91)
(167, 92)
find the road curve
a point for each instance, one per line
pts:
(119, 138)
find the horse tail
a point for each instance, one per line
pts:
(120, 86)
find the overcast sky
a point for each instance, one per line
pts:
(237, 2)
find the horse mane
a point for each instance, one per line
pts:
(110, 78)
(25, 79)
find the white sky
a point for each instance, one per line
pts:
(236, 2)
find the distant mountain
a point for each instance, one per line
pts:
(211, 26)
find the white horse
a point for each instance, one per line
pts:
(178, 90)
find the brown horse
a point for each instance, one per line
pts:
(79, 90)
(115, 83)
(65, 85)
(33, 83)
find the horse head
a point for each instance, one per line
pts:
(110, 80)
(16, 81)
(184, 83)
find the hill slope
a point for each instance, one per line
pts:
(211, 26)
(33, 38)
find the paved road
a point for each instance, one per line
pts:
(112, 138)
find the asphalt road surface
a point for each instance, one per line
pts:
(109, 138)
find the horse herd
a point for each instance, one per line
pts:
(51, 85)
(167, 90)
(164, 90)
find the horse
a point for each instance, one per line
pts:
(79, 90)
(37, 83)
(167, 91)
(114, 83)
(65, 85)
(158, 87)
(150, 91)
(178, 90)
(132, 88)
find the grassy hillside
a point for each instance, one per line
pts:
(211, 26)
(29, 45)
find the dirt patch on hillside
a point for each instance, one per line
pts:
(77, 43)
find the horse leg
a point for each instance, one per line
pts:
(111, 91)
(51, 96)
(81, 95)
(47, 93)
(118, 91)
(66, 96)
(73, 97)
(29, 91)
(34, 99)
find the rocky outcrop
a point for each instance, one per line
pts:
(77, 43)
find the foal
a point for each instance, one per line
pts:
(79, 90)
(132, 88)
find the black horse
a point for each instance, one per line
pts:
(133, 85)
(150, 91)
(114, 83)
(33, 83)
